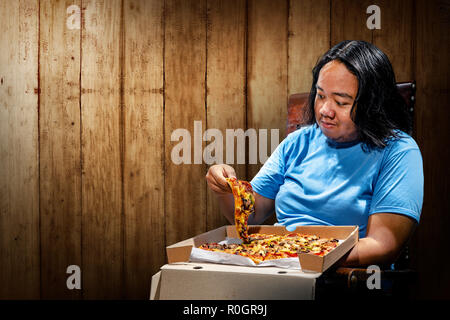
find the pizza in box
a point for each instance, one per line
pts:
(262, 247)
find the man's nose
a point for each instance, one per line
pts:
(327, 110)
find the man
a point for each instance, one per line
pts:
(353, 164)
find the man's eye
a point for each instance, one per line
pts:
(340, 103)
(320, 96)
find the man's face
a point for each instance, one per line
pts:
(336, 92)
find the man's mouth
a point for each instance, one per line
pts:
(327, 125)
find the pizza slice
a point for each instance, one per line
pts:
(244, 202)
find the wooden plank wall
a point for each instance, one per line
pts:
(431, 68)
(102, 150)
(87, 115)
(266, 68)
(60, 149)
(226, 68)
(19, 150)
(185, 104)
(143, 103)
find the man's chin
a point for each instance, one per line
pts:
(329, 133)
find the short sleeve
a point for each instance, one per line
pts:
(399, 186)
(270, 177)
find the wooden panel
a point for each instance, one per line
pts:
(144, 153)
(225, 82)
(348, 21)
(395, 38)
(309, 39)
(101, 151)
(267, 68)
(432, 117)
(185, 67)
(19, 175)
(60, 162)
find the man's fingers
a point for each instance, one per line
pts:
(216, 178)
(228, 172)
(216, 189)
(221, 183)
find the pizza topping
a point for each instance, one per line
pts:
(267, 247)
(244, 202)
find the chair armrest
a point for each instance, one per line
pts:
(355, 276)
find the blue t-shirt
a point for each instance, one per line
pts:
(317, 181)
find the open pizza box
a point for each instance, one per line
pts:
(348, 236)
(181, 279)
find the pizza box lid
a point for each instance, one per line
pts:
(181, 251)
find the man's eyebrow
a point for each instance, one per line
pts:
(343, 95)
(340, 94)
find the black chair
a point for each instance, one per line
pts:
(340, 282)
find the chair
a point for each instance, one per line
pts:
(351, 282)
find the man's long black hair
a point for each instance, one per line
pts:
(380, 109)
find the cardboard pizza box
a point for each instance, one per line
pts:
(348, 236)
(208, 281)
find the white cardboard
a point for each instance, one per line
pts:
(204, 281)
(155, 286)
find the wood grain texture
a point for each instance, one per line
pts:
(19, 171)
(185, 91)
(432, 117)
(348, 21)
(267, 69)
(144, 149)
(395, 38)
(309, 39)
(102, 242)
(225, 83)
(60, 162)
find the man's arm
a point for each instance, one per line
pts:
(264, 208)
(387, 233)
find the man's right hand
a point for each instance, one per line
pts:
(216, 178)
